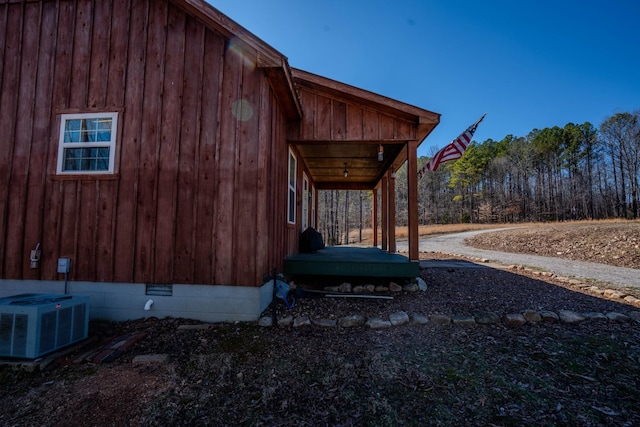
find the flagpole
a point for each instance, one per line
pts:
(479, 120)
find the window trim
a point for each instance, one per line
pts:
(111, 144)
(291, 187)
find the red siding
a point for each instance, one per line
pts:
(333, 119)
(199, 196)
(192, 167)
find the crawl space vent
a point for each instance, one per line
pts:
(159, 290)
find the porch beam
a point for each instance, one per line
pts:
(374, 216)
(385, 213)
(389, 141)
(392, 212)
(337, 185)
(412, 187)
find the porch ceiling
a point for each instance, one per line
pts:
(327, 161)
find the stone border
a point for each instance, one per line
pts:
(614, 294)
(479, 318)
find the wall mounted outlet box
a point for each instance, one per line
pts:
(64, 264)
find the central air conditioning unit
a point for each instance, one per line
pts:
(32, 325)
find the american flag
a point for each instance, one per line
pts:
(452, 151)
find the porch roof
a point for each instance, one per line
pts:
(329, 155)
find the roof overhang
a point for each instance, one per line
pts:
(327, 159)
(274, 63)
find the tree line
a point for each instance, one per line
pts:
(553, 174)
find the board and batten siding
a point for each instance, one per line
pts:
(331, 118)
(198, 195)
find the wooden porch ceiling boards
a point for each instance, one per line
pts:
(327, 161)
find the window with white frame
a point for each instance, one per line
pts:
(291, 216)
(305, 202)
(87, 143)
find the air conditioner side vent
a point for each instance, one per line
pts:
(32, 325)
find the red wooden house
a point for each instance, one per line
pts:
(169, 154)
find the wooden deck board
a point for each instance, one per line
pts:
(351, 261)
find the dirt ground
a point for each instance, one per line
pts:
(613, 243)
(584, 374)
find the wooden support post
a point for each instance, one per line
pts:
(385, 213)
(412, 207)
(392, 213)
(374, 217)
(315, 208)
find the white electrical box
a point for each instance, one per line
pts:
(64, 264)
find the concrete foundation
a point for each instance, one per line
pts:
(127, 301)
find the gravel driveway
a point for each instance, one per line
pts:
(454, 244)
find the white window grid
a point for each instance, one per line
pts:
(92, 137)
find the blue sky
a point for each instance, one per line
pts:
(528, 64)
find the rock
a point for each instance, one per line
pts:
(486, 317)
(440, 319)
(568, 316)
(149, 359)
(532, 316)
(592, 315)
(419, 319)
(301, 321)
(285, 321)
(351, 321)
(549, 316)
(358, 289)
(463, 320)
(631, 299)
(618, 317)
(635, 315)
(394, 287)
(399, 318)
(381, 288)
(344, 287)
(596, 290)
(324, 323)
(514, 319)
(613, 294)
(411, 287)
(369, 288)
(265, 321)
(194, 327)
(378, 323)
(422, 285)
(332, 288)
